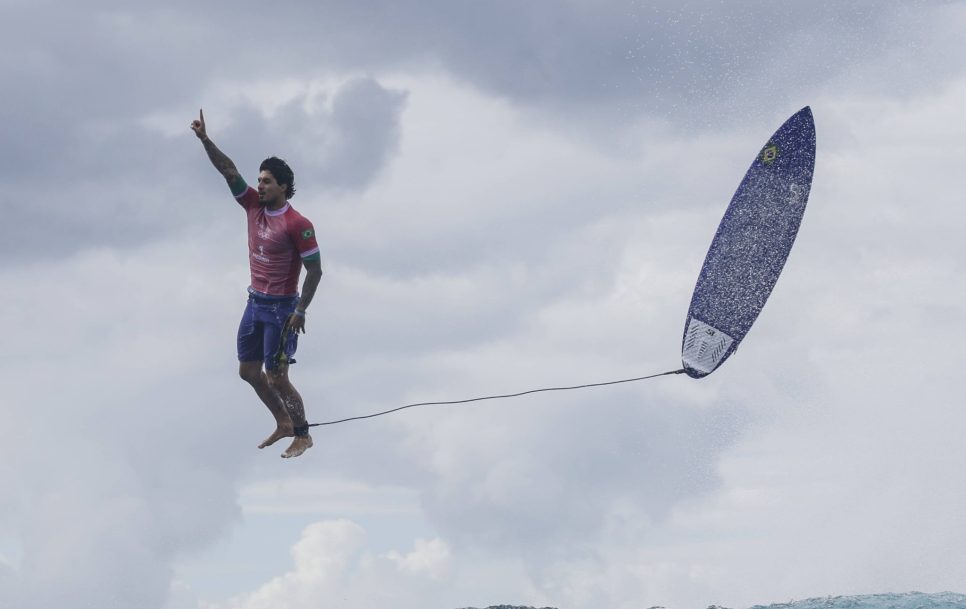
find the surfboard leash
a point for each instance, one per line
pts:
(496, 397)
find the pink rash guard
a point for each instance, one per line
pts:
(278, 241)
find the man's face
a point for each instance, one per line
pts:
(270, 192)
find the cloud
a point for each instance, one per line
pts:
(128, 469)
(341, 139)
(321, 558)
(616, 58)
(541, 481)
(331, 561)
(430, 557)
(88, 170)
(364, 134)
(123, 182)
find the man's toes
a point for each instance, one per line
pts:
(275, 437)
(298, 446)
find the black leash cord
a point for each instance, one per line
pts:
(496, 397)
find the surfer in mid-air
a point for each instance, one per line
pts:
(280, 242)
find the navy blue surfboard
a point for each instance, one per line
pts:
(750, 246)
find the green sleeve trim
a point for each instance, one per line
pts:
(313, 257)
(238, 186)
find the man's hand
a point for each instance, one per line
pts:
(296, 323)
(221, 162)
(198, 125)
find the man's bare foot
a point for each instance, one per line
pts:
(299, 445)
(281, 432)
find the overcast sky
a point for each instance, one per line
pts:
(508, 195)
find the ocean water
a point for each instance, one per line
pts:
(908, 600)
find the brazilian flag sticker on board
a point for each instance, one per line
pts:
(769, 154)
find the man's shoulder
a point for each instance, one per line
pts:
(295, 218)
(301, 232)
(247, 198)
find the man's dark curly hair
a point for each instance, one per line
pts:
(281, 172)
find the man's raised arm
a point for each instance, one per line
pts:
(222, 163)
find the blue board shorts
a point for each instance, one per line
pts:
(260, 329)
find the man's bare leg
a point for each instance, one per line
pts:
(252, 373)
(278, 379)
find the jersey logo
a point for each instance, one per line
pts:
(308, 233)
